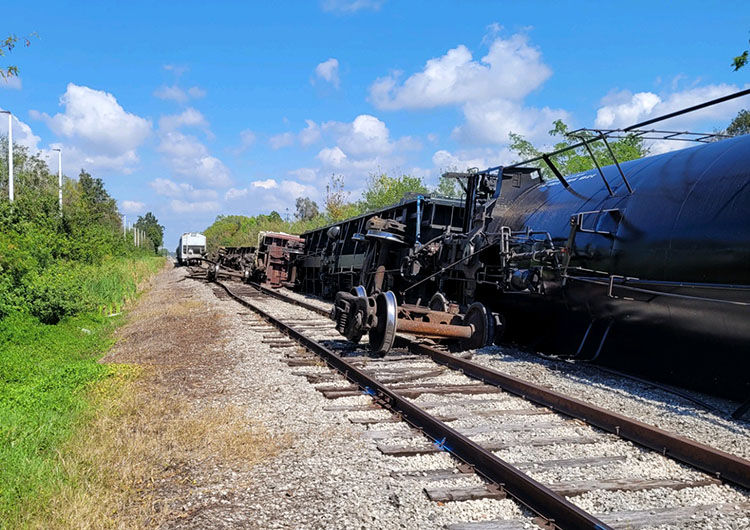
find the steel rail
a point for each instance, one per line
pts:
(554, 508)
(725, 466)
(289, 299)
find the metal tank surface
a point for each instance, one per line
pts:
(657, 279)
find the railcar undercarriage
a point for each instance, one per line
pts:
(641, 265)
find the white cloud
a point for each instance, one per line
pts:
(247, 138)
(194, 207)
(355, 149)
(75, 158)
(621, 109)
(305, 173)
(464, 159)
(280, 195)
(132, 207)
(265, 184)
(196, 92)
(491, 122)
(97, 129)
(234, 194)
(490, 91)
(11, 83)
(22, 133)
(332, 156)
(177, 69)
(178, 94)
(510, 70)
(190, 117)
(182, 190)
(310, 134)
(366, 135)
(329, 71)
(189, 158)
(350, 6)
(281, 140)
(292, 189)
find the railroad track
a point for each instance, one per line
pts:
(445, 402)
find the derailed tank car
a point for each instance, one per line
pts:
(643, 265)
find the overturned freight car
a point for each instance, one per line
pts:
(642, 265)
(340, 256)
(271, 263)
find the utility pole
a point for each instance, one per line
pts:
(124, 226)
(10, 153)
(59, 176)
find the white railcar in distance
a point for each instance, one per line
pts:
(191, 249)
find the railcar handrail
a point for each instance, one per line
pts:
(603, 134)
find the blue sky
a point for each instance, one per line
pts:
(194, 109)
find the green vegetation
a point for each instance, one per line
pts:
(62, 276)
(740, 61)
(46, 372)
(6, 46)
(150, 226)
(577, 160)
(740, 124)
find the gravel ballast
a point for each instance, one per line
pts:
(330, 473)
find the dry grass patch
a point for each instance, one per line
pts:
(153, 437)
(135, 461)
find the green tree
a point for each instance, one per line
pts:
(740, 124)
(337, 202)
(577, 160)
(149, 224)
(306, 209)
(6, 46)
(448, 187)
(741, 60)
(383, 190)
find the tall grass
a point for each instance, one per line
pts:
(45, 370)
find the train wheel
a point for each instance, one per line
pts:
(483, 323)
(438, 302)
(383, 334)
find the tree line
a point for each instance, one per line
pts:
(383, 190)
(50, 259)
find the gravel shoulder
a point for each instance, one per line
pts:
(630, 398)
(280, 455)
(312, 467)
